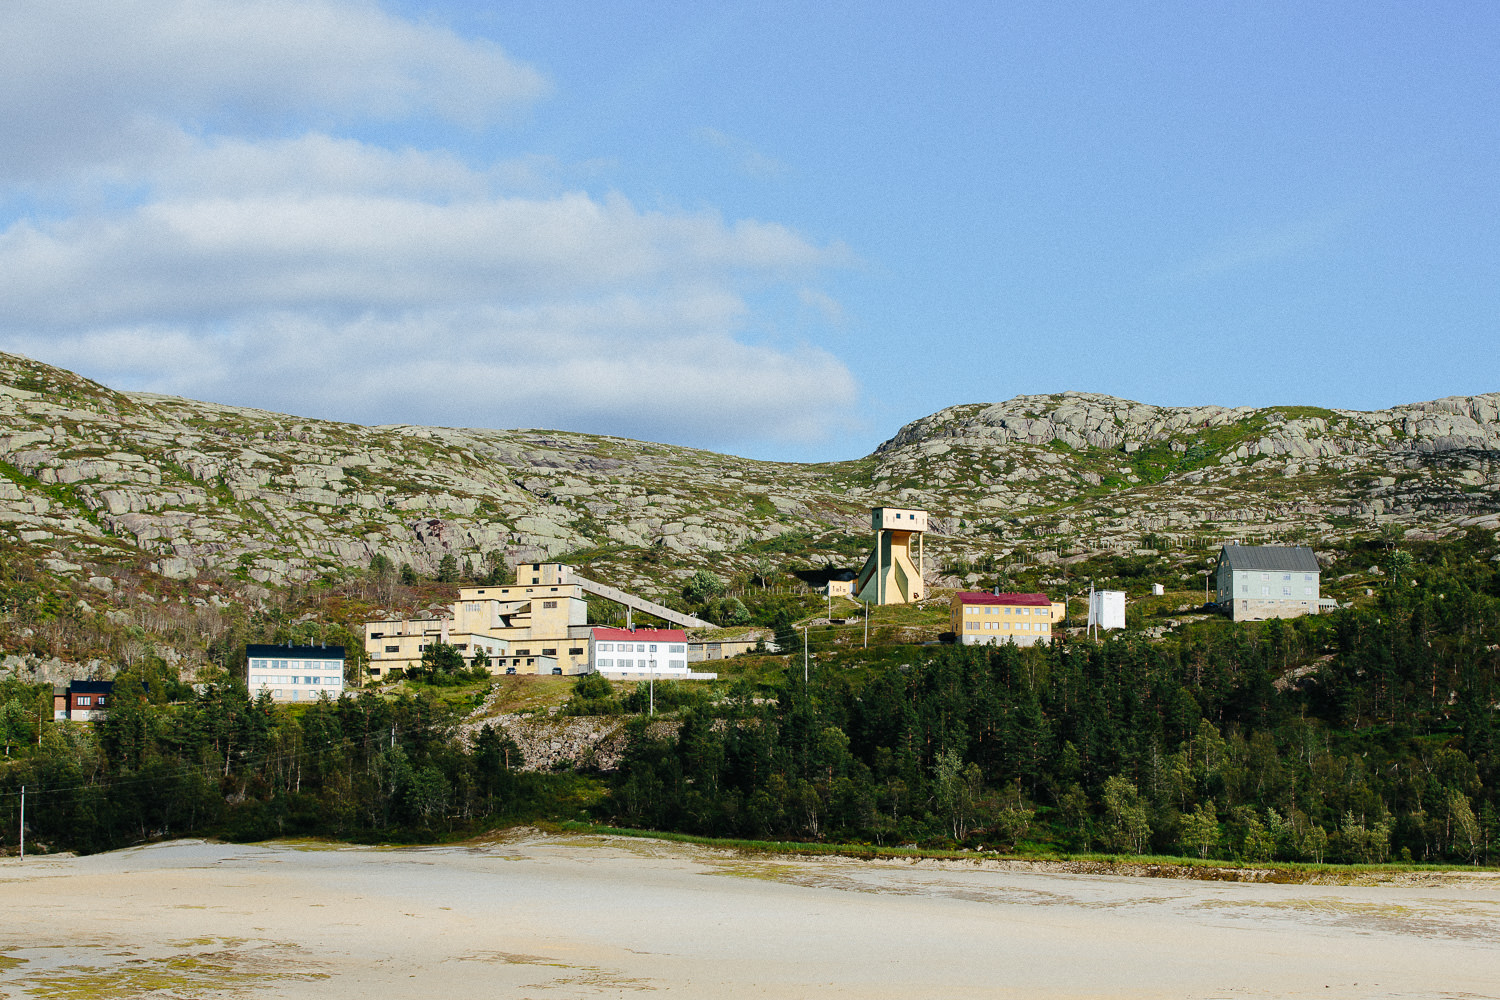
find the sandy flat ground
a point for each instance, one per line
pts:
(559, 917)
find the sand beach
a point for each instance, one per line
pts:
(533, 915)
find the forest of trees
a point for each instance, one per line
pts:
(1365, 735)
(1361, 736)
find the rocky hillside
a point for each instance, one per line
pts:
(96, 480)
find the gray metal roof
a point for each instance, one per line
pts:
(1278, 558)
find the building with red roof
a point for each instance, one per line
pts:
(981, 618)
(641, 653)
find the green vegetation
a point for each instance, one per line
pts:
(1364, 736)
(1360, 737)
(218, 763)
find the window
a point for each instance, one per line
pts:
(1286, 577)
(377, 635)
(1306, 591)
(393, 649)
(1265, 592)
(677, 649)
(1286, 591)
(84, 699)
(1307, 578)
(550, 652)
(640, 647)
(549, 604)
(575, 650)
(679, 664)
(653, 647)
(606, 663)
(1265, 576)
(523, 652)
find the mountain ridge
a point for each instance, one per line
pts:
(95, 477)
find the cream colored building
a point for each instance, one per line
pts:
(991, 619)
(889, 575)
(523, 629)
(537, 625)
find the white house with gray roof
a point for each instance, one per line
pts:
(1257, 582)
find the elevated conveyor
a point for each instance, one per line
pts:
(638, 603)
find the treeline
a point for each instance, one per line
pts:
(1362, 736)
(218, 763)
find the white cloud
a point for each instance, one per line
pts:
(750, 160)
(1266, 244)
(327, 275)
(825, 305)
(195, 257)
(84, 81)
(663, 369)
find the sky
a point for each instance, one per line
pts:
(780, 230)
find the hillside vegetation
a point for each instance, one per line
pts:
(1368, 735)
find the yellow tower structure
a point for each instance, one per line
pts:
(890, 576)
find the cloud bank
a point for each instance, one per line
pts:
(191, 202)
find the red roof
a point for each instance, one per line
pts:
(641, 634)
(983, 597)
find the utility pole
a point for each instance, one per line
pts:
(804, 655)
(651, 686)
(23, 822)
(867, 625)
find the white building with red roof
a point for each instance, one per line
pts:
(981, 618)
(641, 653)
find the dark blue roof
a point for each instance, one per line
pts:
(295, 652)
(90, 687)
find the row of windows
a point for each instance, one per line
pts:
(85, 700)
(992, 610)
(330, 664)
(640, 647)
(633, 664)
(310, 680)
(1019, 626)
(1286, 577)
(1266, 591)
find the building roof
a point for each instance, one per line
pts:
(640, 634)
(1277, 558)
(984, 597)
(91, 687)
(295, 652)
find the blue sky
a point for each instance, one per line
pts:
(777, 230)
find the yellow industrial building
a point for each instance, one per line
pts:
(538, 625)
(992, 619)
